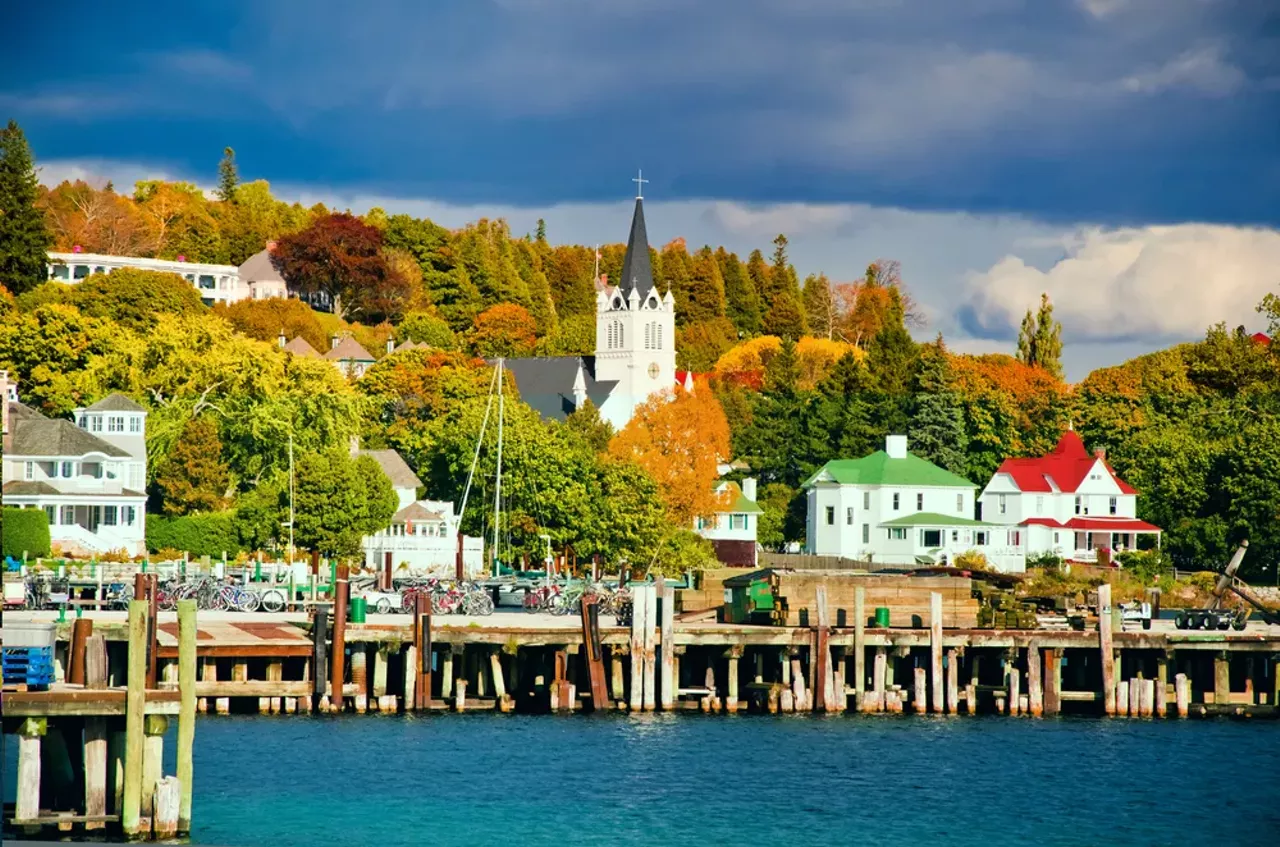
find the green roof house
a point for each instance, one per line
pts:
(895, 508)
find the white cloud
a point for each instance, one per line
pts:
(1201, 68)
(1140, 283)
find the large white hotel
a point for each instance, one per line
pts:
(256, 279)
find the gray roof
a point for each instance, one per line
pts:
(416, 512)
(636, 271)
(115, 403)
(395, 467)
(20, 488)
(546, 383)
(301, 347)
(260, 267)
(348, 349)
(32, 434)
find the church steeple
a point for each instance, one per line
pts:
(637, 273)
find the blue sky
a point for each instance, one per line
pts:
(1090, 148)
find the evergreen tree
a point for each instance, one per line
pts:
(742, 305)
(758, 276)
(586, 423)
(782, 374)
(786, 317)
(1040, 339)
(228, 176)
(1027, 339)
(541, 236)
(937, 415)
(672, 271)
(782, 277)
(892, 357)
(24, 238)
(706, 295)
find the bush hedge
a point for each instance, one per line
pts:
(199, 535)
(25, 530)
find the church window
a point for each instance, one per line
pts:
(659, 344)
(648, 335)
(622, 337)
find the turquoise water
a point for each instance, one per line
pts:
(662, 779)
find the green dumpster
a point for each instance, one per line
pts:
(359, 608)
(882, 617)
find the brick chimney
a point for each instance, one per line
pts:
(1100, 453)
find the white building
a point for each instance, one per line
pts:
(733, 531)
(895, 508)
(1069, 503)
(423, 534)
(260, 276)
(635, 353)
(88, 476)
(215, 283)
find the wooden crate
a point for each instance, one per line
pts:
(906, 597)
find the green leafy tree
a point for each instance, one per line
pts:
(428, 328)
(228, 176)
(1040, 339)
(742, 304)
(192, 477)
(585, 421)
(24, 238)
(683, 551)
(136, 298)
(55, 354)
(339, 500)
(937, 415)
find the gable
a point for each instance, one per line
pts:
(881, 470)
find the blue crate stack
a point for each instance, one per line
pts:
(30, 666)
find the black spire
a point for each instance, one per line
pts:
(637, 273)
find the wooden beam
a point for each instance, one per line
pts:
(186, 714)
(1035, 681)
(1105, 649)
(666, 620)
(95, 735)
(131, 812)
(935, 651)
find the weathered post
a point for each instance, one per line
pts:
(935, 650)
(186, 710)
(666, 614)
(337, 663)
(1015, 690)
(639, 621)
(919, 700)
(1122, 698)
(1182, 695)
(734, 655)
(1222, 678)
(1053, 682)
(95, 735)
(422, 642)
(1161, 704)
(1035, 679)
(595, 655)
(859, 645)
(616, 679)
(953, 681)
(28, 791)
(650, 657)
(820, 659)
(446, 673)
(81, 629)
(169, 792)
(1105, 648)
(879, 669)
(135, 709)
(319, 654)
(154, 728)
(360, 677)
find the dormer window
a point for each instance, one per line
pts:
(135, 424)
(115, 423)
(617, 302)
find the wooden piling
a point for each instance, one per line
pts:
(410, 701)
(590, 612)
(186, 711)
(504, 702)
(799, 691)
(379, 673)
(953, 681)
(337, 663)
(135, 706)
(920, 700)
(820, 657)
(154, 728)
(81, 629)
(422, 643)
(275, 673)
(446, 673)
(935, 651)
(879, 669)
(1035, 681)
(859, 645)
(1146, 702)
(650, 656)
(1122, 699)
(616, 680)
(1222, 678)
(1015, 690)
(1053, 682)
(460, 695)
(639, 610)
(30, 731)
(733, 655)
(666, 614)
(168, 801)
(1160, 706)
(95, 735)
(318, 666)
(1182, 695)
(1109, 690)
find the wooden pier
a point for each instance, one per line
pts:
(278, 665)
(91, 746)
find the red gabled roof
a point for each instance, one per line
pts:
(1067, 466)
(1097, 524)
(1261, 338)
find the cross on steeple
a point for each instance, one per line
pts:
(639, 180)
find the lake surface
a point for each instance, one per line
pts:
(677, 779)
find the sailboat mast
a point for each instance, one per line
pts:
(497, 485)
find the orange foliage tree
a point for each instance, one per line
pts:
(744, 364)
(504, 330)
(679, 437)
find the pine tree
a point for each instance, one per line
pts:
(1027, 339)
(782, 276)
(228, 176)
(937, 415)
(1040, 339)
(541, 236)
(706, 296)
(893, 353)
(742, 304)
(782, 374)
(786, 317)
(24, 238)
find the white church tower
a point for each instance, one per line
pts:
(635, 330)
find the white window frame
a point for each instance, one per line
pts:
(1003, 503)
(848, 516)
(110, 515)
(866, 500)
(1079, 504)
(67, 470)
(1113, 506)
(135, 424)
(960, 504)
(115, 423)
(866, 533)
(29, 472)
(897, 533)
(896, 500)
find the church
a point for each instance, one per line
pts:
(635, 354)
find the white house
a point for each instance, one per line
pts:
(215, 283)
(260, 276)
(88, 476)
(423, 534)
(733, 531)
(896, 508)
(1069, 503)
(635, 353)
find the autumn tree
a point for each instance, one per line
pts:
(1040, 339)
(136, 298)
(268, 318)
(24, 238)
(428, 328)
(339, 500)
(178, 221)
(820, 306)
(228, 176)
(503, 330)
(679, 437)
(338, 261)
(95, 220)
(192, 477)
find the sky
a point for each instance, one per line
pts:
(1122, 156)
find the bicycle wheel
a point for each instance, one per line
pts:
(248, 601)
(272, 600)
(484, 606)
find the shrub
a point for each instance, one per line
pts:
(25, 531)
(428, 328)
(1146, 565)
(1047, 561)
(971, 560)
(197, 535)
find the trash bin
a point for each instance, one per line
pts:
(882, 617)
(359, 608)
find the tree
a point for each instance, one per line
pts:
(192, 478)
(937, 415)
(679, 437)
(586, 422)
(24, 238)
(782, 276)
(1040, 339)
(338, 500)
(228, 176)
(705, 300)
(742, 304)
(820, 305)
(338, 261)
(700, 345)
(503, 330)
(892, 356)
(785, 317)
(268, 318)
(135, 298)
(541, 235)
(428, 328)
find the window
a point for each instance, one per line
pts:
(960, 503)
(896, 497)
(61, 272)
(51, 512)
(897, 533)
(1015, 538)
(99, 270)
(135, 424)
(130, 515)
(135, 476)
(920, 502)
(980, 538)
(68, 515)
(831, 515)
(115, 423)
(206, 281)
(1004, 503)
(955, 536)
(1112, 505)
(866, 533)
(866, 499)
(1079, 503)
(848, 516)
(1039, 503)
(30, 470)
(95, 470)
(95, 423)
(931, 537)
(648, 334)
(80, 272)
(68, 468)
(109, 515)
(737, 522)
(622, 337)
(659, 344)
(702, 524)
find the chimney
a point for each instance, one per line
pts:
(749, 488)
(280, 340)
(271, 246)
(355, 444)
(896, 446)
(1100, 453)
(391, 345)
(333, 341)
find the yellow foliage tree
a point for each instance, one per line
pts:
(817, 356)
(678, 437)
(747, 361)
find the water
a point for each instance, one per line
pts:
(662, 779)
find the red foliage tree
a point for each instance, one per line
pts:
(340, 259)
